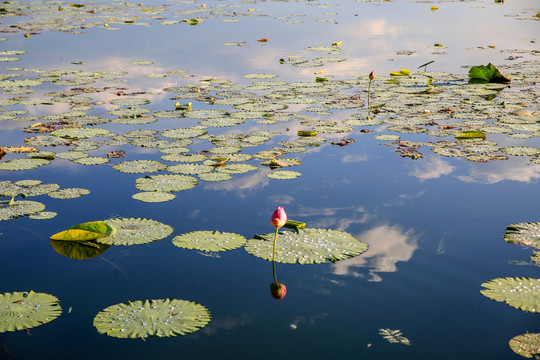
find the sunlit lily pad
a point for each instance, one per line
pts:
(310, 246)
(153, 196)
(43, 215)
(209, 241)
(521, 293)
(134, 231)
(526, 345)
(127, 101)
(20, 208)
(237, 168)
(160, 318)
(521, 150)
(215, 176)
(69, 193)
(190, 169)
(72, 155)
(284, 174)
(80, 133)
(92, 160)
(23, 164)
(25, 310)
(139, 166)
(527, 234)
(166, 183)
(183, 133)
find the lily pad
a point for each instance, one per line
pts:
(20, 208)
(284, 175)
(153, 196)
(160, 318)
(134, 231)
(521, 293)
(309, 246)
(25, 310)
(139, 166)
(23, 164)
(527, 234)
(80, 133)
(487, 73)
(526, 345)
(69, 193)
(85, 232)
(209, 241)
(166, 183)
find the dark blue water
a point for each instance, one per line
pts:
(434, 226)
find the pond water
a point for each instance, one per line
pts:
(432, 209)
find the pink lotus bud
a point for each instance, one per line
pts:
(371, 76)
(279, 217)
(278, 290)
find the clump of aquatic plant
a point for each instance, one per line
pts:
(371, 78)
(278, 219)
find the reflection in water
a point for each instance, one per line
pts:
(79, 250)
(432, 168)
(387, 246)
(243, 185)
(311, 320)
(496, 171)
(228, 323)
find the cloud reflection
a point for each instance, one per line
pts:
(496, 171)
(432, 168)
(387, 246)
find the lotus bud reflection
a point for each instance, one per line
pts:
(279, 217)
(278, 290)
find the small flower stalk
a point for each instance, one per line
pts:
(371, 78)
(278, 219)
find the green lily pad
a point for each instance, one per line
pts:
(23, 164)
(69, 193)
(237, 168)
(85, 232)
(139, 166)
(487, 73)
(20, 208)
(80, 133)
(183, 133)
(43, 215)
(92, 160)
(309, 246)
(25, 310)
(79, 250)
(190, 169)
(134, 231)
(526, 345)
(284, 175)
(527, 234)
(129, 101)
(521, 293)
(209, 241)
(160, 318)
(521, 150)
(166, 183)
(153, 196)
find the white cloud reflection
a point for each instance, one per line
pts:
(432, 168)
(388, 245)
(497, 171)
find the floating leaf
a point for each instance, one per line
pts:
(521, 150)
(284, 175)
(394, 336)
(85, 232)
(527, 234)
(487, 73)
(153, 196)
(23, 164)
(310, 246)
(166, 183)
(80, 133)
(69, 193)
(134, 231)
(521, 293)
(20, 208)
(526, 345)
(142, 319)
(470, 134)
(139, 166)
(25, 310)
(209, 241)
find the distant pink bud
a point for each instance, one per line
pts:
(371, 76)
(279, 217)
(278, 290)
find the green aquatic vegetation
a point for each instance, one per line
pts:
(166, 183)
(209, 241)
(135, 231)
(85, 232)
(526, 233)
(520, 293)
(15, 209)
(309, 246)
(78, 250)
(284, 175)
(68, 193)
(526, 345)
(26, 310)
(23, 164)
(139, 166)
(153, 196)
(149, 318)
